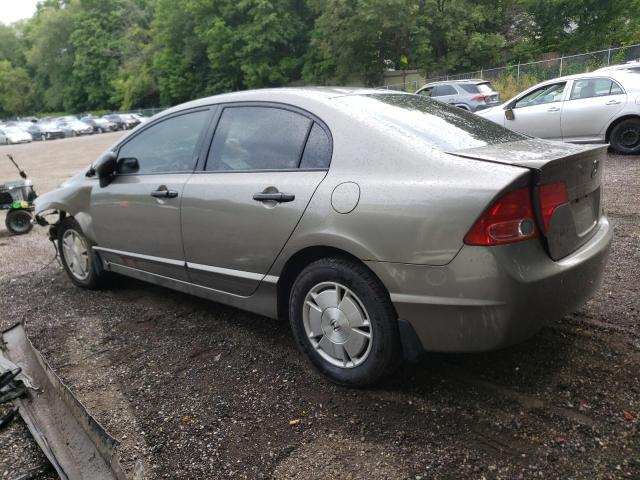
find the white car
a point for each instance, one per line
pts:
(596, 107)
(14, 135)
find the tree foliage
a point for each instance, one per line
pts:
(78, 55)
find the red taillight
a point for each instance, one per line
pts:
(478, 98)
(552, 195)
(510, 219)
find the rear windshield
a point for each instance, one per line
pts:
(441, 126)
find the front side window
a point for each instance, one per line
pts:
(542, 95)
(594, 87)
(165, 147)
(258, 138)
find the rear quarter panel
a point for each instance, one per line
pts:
(415, 205)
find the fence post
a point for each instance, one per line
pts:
(518, 75)
(609, 56)
(481, 77)
(561, 58)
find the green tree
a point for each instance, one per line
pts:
(358, 39)
(136, 83)
(16, 90)
(180, 57)
(573, 26)
(50, 56)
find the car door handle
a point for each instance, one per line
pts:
(613, 102)
(164, 192)
(553, 109)
(274, 197)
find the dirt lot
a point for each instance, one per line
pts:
(194, 389)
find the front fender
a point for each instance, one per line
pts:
(72, 199)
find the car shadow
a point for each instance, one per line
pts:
(526, 368)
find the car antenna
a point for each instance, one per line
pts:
(22, 174)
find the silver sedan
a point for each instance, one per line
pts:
(380, 224)
(597, 107)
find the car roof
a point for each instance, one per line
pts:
(621, 75)
(282, 95)
(471, 81)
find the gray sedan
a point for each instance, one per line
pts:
(597, 107)
(380, 224)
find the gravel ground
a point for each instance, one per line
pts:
(194, 389)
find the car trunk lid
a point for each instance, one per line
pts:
(579, 167)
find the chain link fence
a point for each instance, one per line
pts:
(511, 79)
(403, 87)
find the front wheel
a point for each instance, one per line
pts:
(18, 222)
(625, 137)
(78, 259)
(344, 323)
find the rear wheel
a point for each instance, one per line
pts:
(344, 323)
(80, 262)
(18, 222)
(625, 137)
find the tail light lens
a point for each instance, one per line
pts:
(510, 219)
(552, 195)
(479, 98)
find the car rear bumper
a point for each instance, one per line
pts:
(492, 297)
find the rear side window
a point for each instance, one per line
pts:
(168, 146)
(317, 152)
(258, 138)
(442, 90)
(436, 124)
(469, 87)
(594, 87)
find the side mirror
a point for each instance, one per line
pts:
(106, 167)
(128, 165)
(509, 114)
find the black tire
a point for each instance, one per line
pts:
(95, 275)
(384, 353)
(18, 222)
(625, 137)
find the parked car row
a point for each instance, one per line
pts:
(50, 128)
(596, 107)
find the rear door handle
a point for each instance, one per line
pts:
(274, 197)
(553, 109)
(164, 192)
(613, 102)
